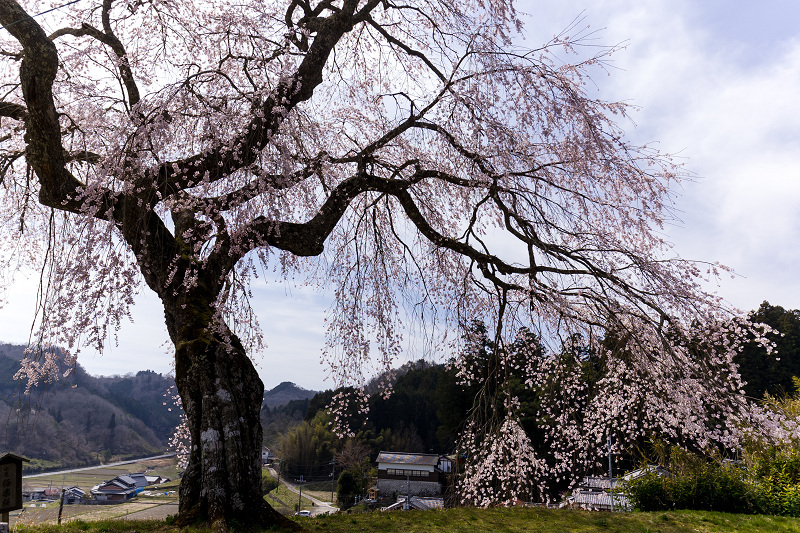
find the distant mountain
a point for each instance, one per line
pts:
(285, 393)
(80, 419)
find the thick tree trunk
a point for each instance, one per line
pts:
(222, 395)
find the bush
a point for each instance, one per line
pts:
(777, 477)
(771, 485)
(711, 487)
(268, 483)
(347, 489)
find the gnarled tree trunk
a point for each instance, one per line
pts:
(222, 395)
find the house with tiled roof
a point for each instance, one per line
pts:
(417, 474)
(118, 489)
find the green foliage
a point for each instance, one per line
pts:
(711, 487)
(772, 373)
(347, 487)
(778, 482)
(308, 448)
(770, 485)
(268, 483)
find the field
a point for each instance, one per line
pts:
(156, 506)
(285, 501)
(86, 479)
(466, 520)
(320, 490)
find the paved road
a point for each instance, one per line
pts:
(320, 507)
(58, 472)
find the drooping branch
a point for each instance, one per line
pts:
(108, 38)
(59, 188)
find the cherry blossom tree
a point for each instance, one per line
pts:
(409, 154)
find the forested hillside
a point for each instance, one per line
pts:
(81, 419)
(284, 407)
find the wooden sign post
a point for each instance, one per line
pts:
(10, 484)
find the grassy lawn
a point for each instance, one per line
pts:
(320, 490)
(285, 501)
(484, 520)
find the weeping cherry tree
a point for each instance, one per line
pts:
(411, 156)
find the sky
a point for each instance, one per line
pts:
(715, 81)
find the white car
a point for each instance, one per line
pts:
(303, 513)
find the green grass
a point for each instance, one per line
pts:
(469, 520)
(285, 501)
(320, 490)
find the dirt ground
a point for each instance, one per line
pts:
(139, 510)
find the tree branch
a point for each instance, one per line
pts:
(108, 38)
(59, 188)
(219, 162)
(12, 110)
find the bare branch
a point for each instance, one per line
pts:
(12, 110)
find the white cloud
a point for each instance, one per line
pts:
(717, 84)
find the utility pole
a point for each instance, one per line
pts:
(61, 502)
(60, 507)
(300, 496)
(408, 491)
(333, 477)
(610, 473)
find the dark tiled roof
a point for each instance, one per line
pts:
(126, 479)
(408, 458)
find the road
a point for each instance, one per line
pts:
(320, 506)
(59, 472)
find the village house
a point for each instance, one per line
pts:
(267, 456)
(73, 495)
(119, 489)
(417, 474)
(122, 488)
(42, 494)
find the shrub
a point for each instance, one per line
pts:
(710, 487)
(771, 485)
(268, 483)
(776, 474)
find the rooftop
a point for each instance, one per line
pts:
(429, 459)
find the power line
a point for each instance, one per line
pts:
(43, 13)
